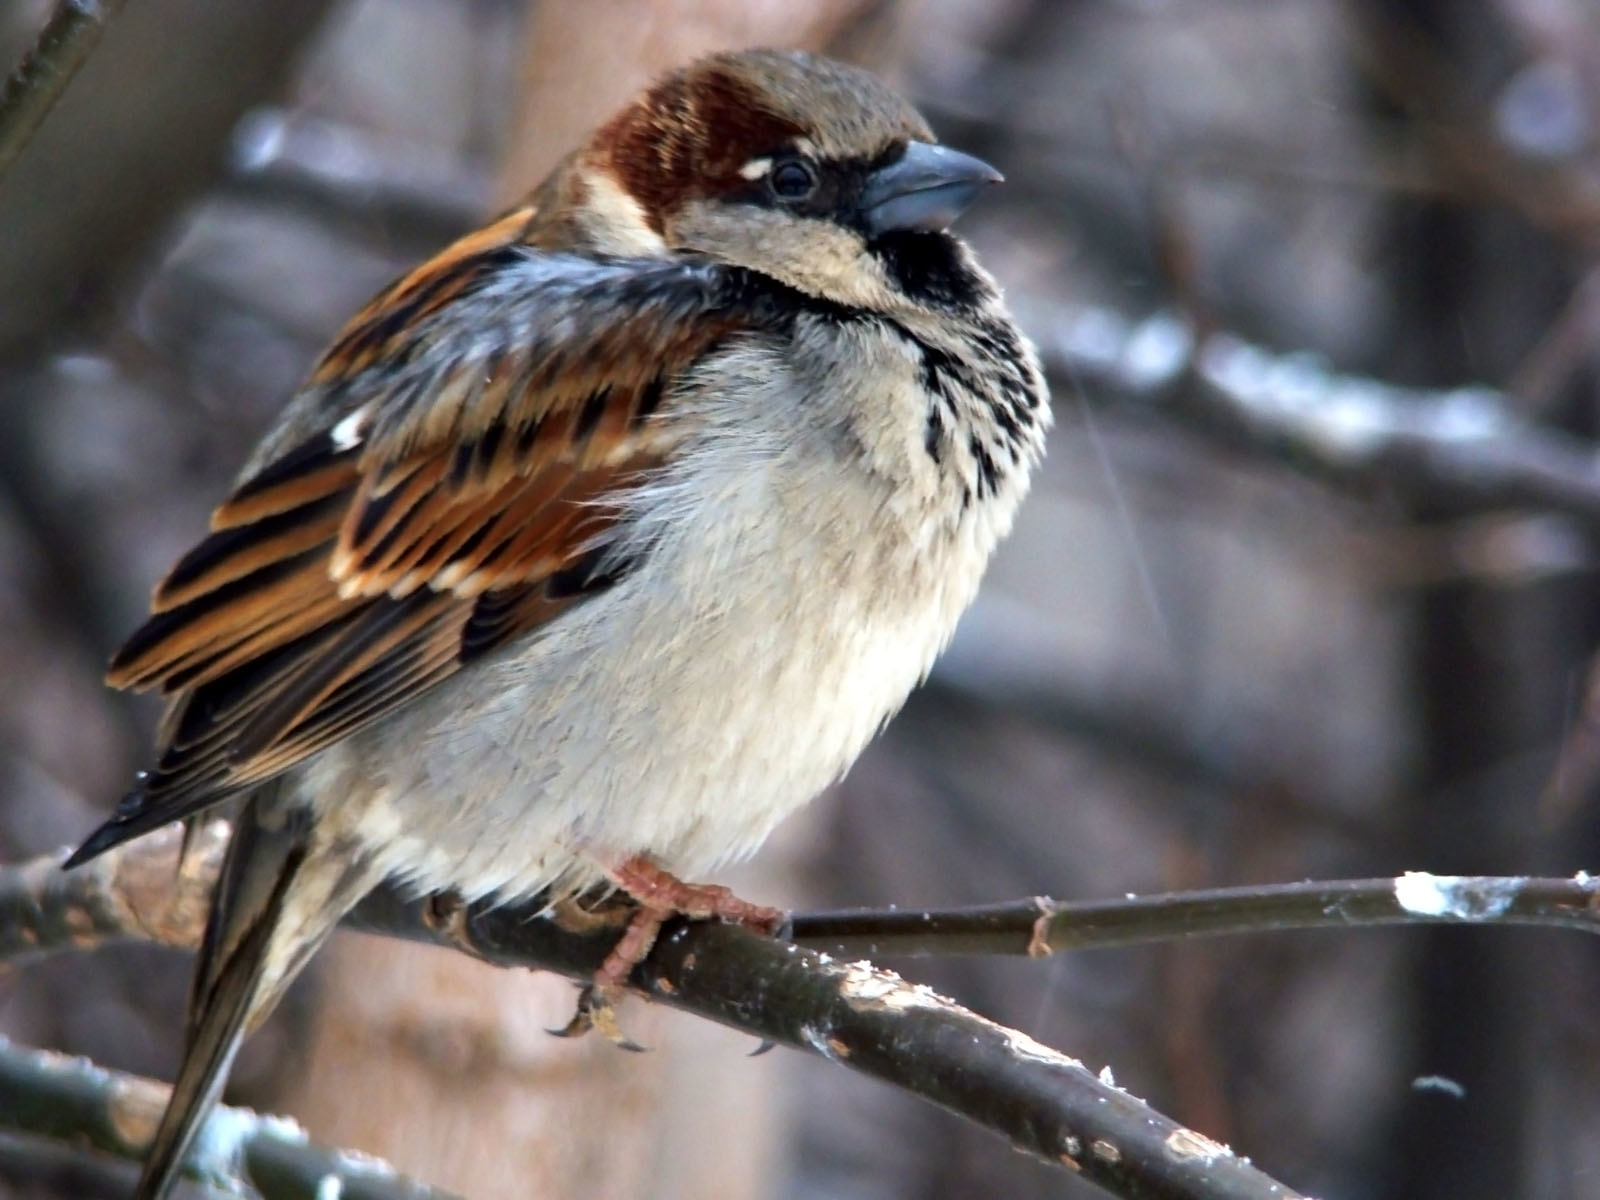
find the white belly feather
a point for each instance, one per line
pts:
(792, 595)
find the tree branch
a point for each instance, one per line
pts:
(69, 1100)
(1043, 1102)
(866, 1019)
(1467, 447)
(41, 77)
(143, 893)
(871, 1021)
(369, 183)
(1042, 926)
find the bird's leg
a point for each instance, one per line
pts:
(662, 895)
(658, 889)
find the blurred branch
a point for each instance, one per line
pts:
(72, 1101)
(37, 83)
(1447, 150)
(371, 183)
(1041, 1101)
(1464, 447)
(147, 892)
(153, 156)
(1385, 163)
(995, 666)
(1537, 382)
(1424, 83)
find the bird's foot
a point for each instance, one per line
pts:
(445, 914)
(597, 1010)
(657, 889)
(661, 896)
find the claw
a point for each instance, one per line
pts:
(597, 1010)
(580, 1023)
(445, 914)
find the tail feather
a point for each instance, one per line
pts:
(278, 897)
(129, 821)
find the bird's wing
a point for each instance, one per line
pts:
(452, 471)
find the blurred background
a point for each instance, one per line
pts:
(1307, 588)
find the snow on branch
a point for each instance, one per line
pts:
(1467, 447)
(70, 1100)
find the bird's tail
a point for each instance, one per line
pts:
(280, 893)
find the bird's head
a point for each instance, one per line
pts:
(801, 168)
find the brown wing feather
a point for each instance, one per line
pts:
(448, 501)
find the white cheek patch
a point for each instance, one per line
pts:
(756, 168)
(616, 221)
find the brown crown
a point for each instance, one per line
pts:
(689, 134)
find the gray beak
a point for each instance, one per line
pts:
(927, 189)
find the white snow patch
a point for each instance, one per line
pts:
(1461, 897)
(358, 1162)
(1027, 1047)
(814, 1038)
(219, 1146)
(1188, 1145)
(1439, 1083)
(864, 983)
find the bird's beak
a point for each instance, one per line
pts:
(927, 188)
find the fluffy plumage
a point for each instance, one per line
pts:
(612, 532)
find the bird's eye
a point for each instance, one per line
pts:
(792, 179)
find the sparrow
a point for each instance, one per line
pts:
(598, 543)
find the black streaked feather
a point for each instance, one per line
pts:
(165, 624)
(589, 417)
(374, 507)
(528, 434)
(218, 547)
(489, 445)
(310, 455)
(649, 400)
(377, 621)
(594, 571)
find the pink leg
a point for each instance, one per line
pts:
(661, 896)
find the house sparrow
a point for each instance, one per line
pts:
(596, 544)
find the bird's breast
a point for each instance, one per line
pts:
(789, 593)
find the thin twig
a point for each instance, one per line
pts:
(72, 1101)
(1042, 926)
(142, 893)
(45, 71)
(869, 1020)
